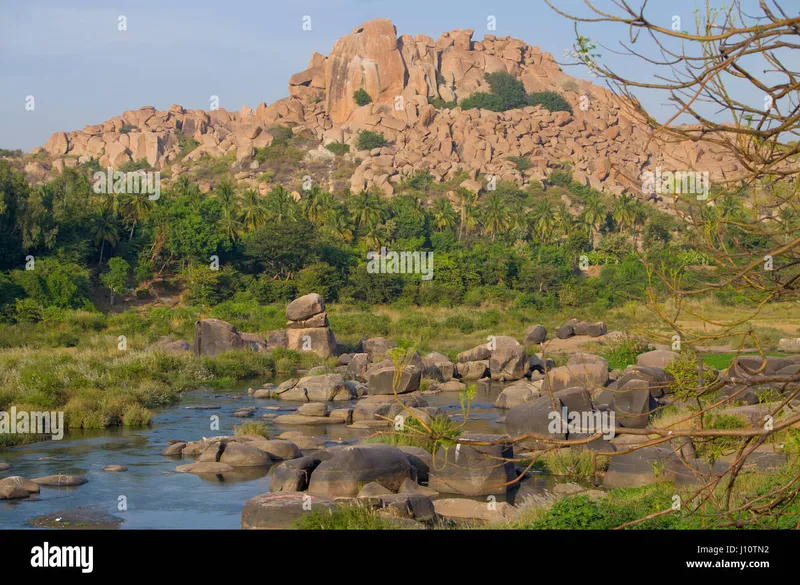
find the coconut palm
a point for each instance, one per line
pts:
(104, 230)
(226, 194)
(494, 214)
(564, 218)
(444, 217)
(623, 211)
(366, 209)
(181, 186)
(254, 210)
(593, 212)
(338, 223)
(520, 221)
(311, 204)
(281, 205)
(544, 219)
(230, 224)
(135, 207)
(379, 235)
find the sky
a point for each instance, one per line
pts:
(80, 69)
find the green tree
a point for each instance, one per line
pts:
(484, 101)
(544, 219)
(361, 97)
(369, 139)
(115, 278)
(444, 217)
(508, 88)
(254, 211)
(104, 231)
(366, 209)
(135, 207)
(494, 216)
(550, 100)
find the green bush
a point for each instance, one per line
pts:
(559, 178)
(623, 353)
(549, 100)
(440, 104)
(187, 143)
(522, 163)
(368, 139)
(508, 88)
(338, 148)
(361, 97)
(483, 101)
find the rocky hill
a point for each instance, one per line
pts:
(606, 147)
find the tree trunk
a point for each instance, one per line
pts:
(102, 246)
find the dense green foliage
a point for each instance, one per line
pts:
(508, 93)
(509, 246)
(550, 100)
(368, 139)
(361, 97)
(338, 148)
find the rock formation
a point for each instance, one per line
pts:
(607, 147)
(308, 326)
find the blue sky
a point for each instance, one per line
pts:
(80, 69)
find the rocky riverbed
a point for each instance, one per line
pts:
(314, 446)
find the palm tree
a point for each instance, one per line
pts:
(593, 212)
(254, 211)
(466, 217)
(338, 223)
(135, 207)
(544, 219)
(623, 211)
(444, 217)
(181, 186)
(226, 194)
(639, 217)
(281, 205)
(520, 218)
(730, 206)
(104, 230)
(229, 223)
(380, 235)
(494, 214)
(366, 210)
(564, 218)
(310, 205)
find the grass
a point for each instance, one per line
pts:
(574, 463)
(443, 433)
(721, 361)
(101, 387)
(344, 518)
(251, 428)
(625, 505)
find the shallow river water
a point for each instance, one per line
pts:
(159, 497)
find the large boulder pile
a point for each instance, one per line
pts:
(606, 144)
(307, 326)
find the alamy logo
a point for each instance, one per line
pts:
(384, 262)
(61, 557)
(36, 423)
(135, 182)
(590, 422)
(677, 182)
